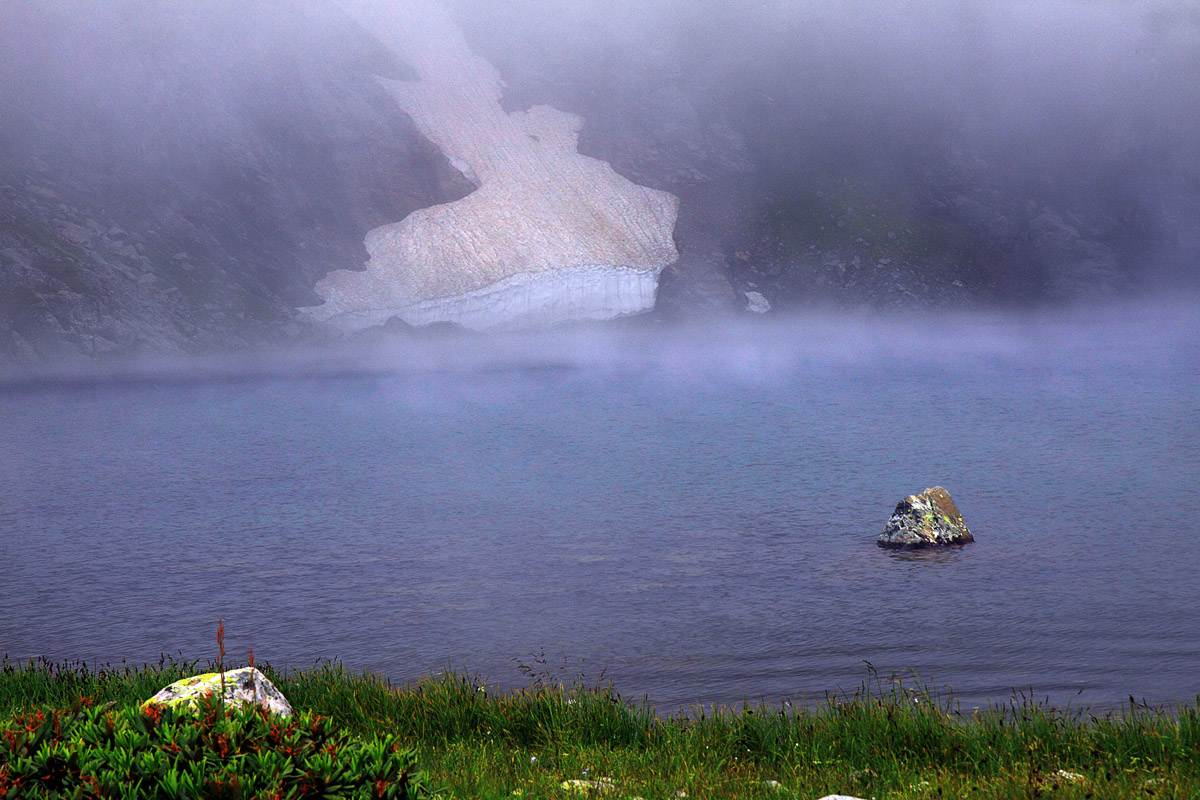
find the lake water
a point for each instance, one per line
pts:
(692, 512)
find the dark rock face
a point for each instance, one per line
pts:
(791, 192)
(929, 519)
(177, 182)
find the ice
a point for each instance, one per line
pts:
(526, 300)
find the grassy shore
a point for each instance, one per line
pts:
(884, 741)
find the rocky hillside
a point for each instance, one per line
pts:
(177, 181)
(827, 160)
(176, 177)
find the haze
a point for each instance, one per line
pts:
(919, 243)
(1036, 152)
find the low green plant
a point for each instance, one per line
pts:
(211, 751)
(886, 740)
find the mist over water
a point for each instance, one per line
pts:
(694, 515)
(688, 501)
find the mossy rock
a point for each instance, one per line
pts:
(928, 519)
(245, 686)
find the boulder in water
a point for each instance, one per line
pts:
(245, 686)
(928, 519)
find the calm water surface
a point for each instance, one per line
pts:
(693, 513)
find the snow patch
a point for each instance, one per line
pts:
(550, 235)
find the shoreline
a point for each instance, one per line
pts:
(534, 741)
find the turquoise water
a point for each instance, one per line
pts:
(691, 512)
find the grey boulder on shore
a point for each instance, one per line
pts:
(928, 519)
(245, 686)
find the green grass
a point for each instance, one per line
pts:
(887, 742)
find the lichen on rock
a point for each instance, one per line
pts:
(598, 786)
(245, 686)
(928, 519)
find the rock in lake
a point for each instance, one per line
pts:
(245, 686)
(929, 519)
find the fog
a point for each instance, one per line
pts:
(689, 499)
(1053, 85)
(254, 134)
(1163, 334)
(1071, 92)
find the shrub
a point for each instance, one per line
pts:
(212, 751)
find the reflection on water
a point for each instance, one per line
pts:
(945, 555)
